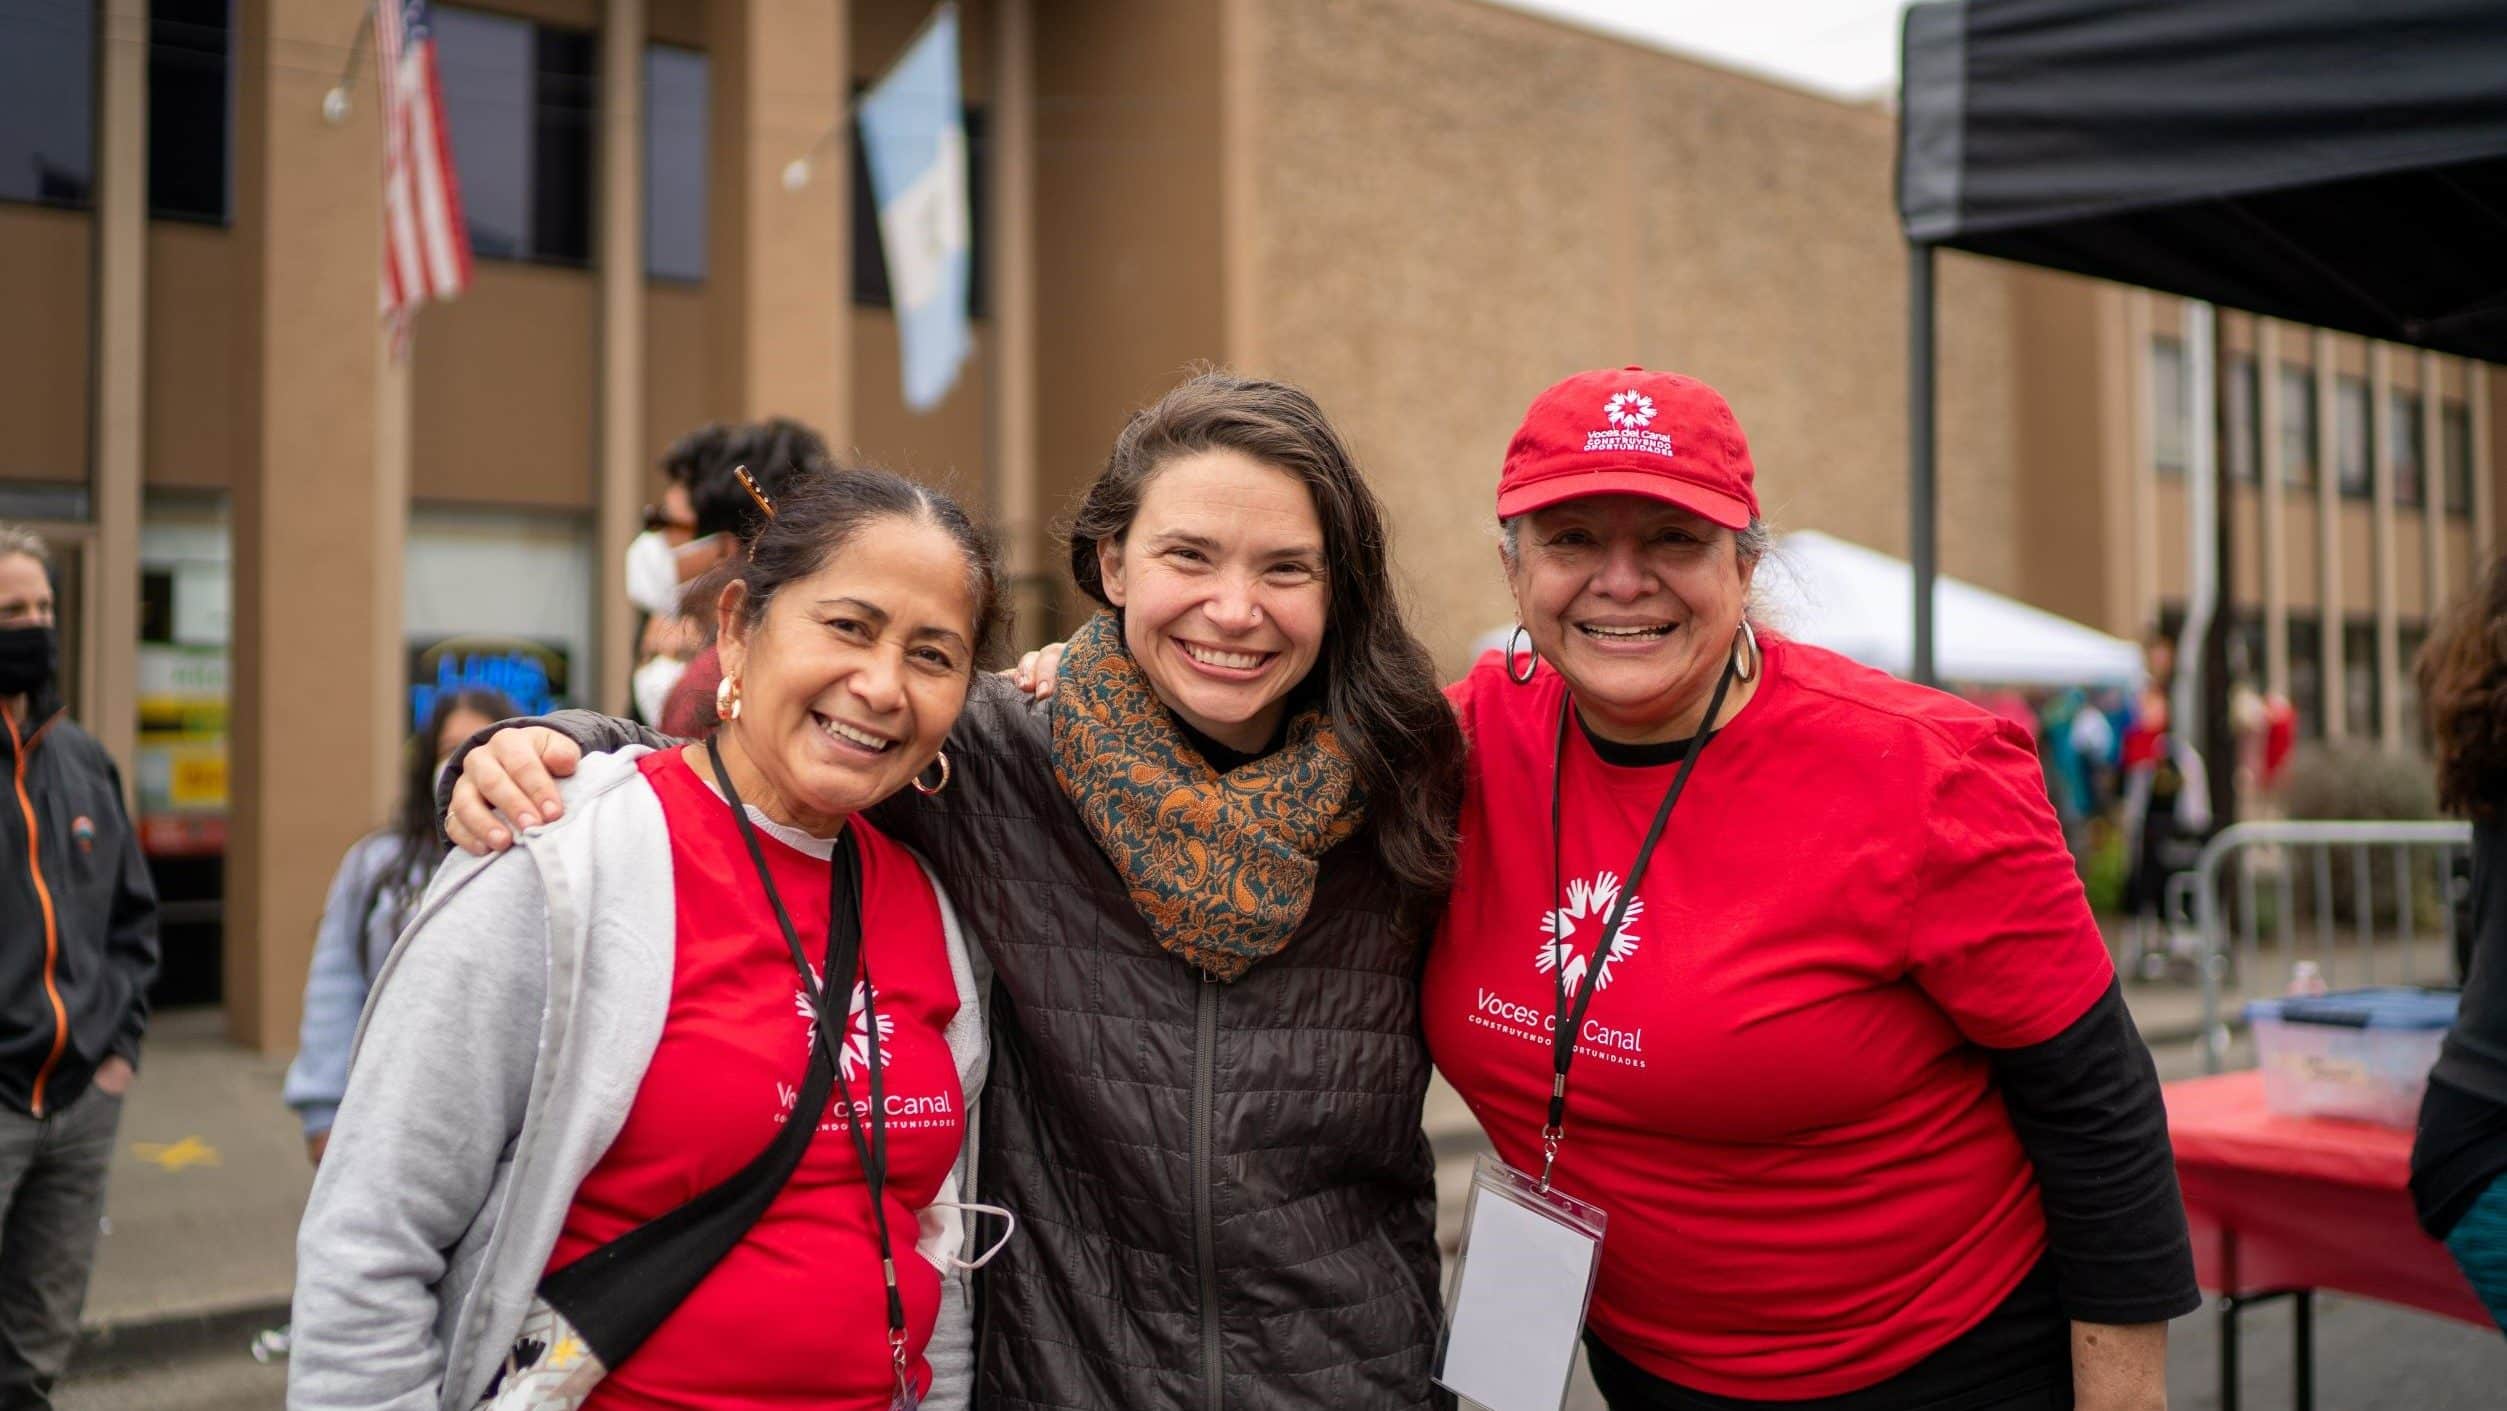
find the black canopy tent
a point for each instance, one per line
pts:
(2341, 163)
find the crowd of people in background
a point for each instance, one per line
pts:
(2133, 789)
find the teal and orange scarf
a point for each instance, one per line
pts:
(1222, 866)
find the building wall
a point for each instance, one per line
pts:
(504, 390)
(1128, 226)
(2067, 437)
(1525, 200)
(191, 379)
(44, 351)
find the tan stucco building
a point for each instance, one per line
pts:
(1424, 210)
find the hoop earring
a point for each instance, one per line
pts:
(726, 699)
(928, 791)
(1531, 659)
(1758, 658)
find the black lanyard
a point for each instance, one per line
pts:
(844, 893)
(1564, 1025)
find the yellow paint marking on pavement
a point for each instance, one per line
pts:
(177, 1156)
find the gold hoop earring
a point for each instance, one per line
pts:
(1758, 658)
(942, 759)
(727, 699)
(1531, 659)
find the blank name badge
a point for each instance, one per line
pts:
(1521, 1282)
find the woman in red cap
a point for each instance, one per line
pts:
(1825, 1027)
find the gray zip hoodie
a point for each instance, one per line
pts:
(504, 1042)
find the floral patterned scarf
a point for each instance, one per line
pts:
(1222, 866)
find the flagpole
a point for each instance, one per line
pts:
(335, 102)
(796, 173)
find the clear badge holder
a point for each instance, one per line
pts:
(1522, 1280)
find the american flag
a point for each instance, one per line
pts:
(426, 248)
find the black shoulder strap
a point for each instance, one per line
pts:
(618, 1294)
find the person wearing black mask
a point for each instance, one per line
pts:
(78, 946)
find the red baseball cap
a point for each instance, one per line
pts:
(1631, 432)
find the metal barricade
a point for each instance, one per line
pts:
(2356, 933)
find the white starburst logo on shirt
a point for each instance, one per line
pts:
(1571, 931)
(855, 1056)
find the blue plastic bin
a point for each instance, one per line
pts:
(2361, 1054)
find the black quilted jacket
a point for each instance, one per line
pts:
(1224, 1197)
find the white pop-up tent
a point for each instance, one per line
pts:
(1852, 600)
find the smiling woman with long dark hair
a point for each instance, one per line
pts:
(2460, 1155)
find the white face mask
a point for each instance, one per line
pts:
(653, 574)
(652, 683)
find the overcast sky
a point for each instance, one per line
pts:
(1845, 48)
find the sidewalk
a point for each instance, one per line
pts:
(209, 1176)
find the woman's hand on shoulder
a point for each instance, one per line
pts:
(509, 782)
(1037, 671)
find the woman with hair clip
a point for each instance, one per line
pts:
(2460, 1152)
(667, 1106)
(372, 896)
(1201, 873)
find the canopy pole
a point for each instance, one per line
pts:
(2218, 724)
(1922, 405)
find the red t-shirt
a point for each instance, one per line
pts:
(1780, 1098)
(795, 1316)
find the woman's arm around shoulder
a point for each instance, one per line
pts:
(440, 1076)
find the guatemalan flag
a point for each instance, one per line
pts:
(914, 130)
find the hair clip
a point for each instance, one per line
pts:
(749, 484)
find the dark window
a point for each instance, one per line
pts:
(2298, 426)
(156, 605)
(188, 105)
(565, 121)
(2245, 423)
(2363, 686)
(521, 105)
(870, 258)
(675, 99)
(2455, 441)
(47, 101)
(2306, 674)
(2410, 638)
(2168, 418)
(2356, 472)
(2403, 445)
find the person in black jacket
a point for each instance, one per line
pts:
(80, 920)
(2460, 1152)
(1201, 873)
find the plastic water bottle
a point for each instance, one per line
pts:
(2306, 978)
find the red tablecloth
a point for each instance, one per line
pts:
(2297, 1202)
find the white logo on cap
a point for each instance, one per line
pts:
(1631, 416)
